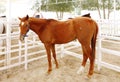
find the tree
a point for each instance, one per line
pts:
(105, 5)
(37, 6)
(58, 6)
(77, 7)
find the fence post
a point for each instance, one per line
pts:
(62, 50)
(8, 34)
(99, 58)
(26, 52)
(20, 50)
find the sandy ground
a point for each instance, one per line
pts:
(67, 72)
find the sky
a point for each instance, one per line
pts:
(19, 7)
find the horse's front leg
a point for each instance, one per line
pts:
(48, 46)
(54, 55)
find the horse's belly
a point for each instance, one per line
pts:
(64, 38)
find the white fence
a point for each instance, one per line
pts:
(31, 50)
(109, 31)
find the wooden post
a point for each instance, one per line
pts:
(99, 58)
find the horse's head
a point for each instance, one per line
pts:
(24, 27)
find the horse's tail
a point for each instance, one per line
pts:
(93, 41)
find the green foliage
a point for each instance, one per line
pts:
(93, 4)
(64, 6)
(57, 6)
(36, 6)
(70, 5)
(118, 4)
(89, 4)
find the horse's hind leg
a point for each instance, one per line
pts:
(87, 53)
(85, 57)
(87, 49)
(54, 55)
(91, 69)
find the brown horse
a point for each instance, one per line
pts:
(52, 32)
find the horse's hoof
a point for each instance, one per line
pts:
(49, 71)
(88, 77)
(81, 70)
(57, 66)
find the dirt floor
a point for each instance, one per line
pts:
(65, 73)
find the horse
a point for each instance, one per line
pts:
(51, 32)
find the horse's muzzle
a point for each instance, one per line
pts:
(22, 37)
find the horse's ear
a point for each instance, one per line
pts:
(19, 18)
(27, 17)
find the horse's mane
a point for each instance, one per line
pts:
(39, 19)
(36, 20)
(44, 21)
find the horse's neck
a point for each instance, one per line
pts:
(37, 24)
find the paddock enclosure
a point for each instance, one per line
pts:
(27, 62)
